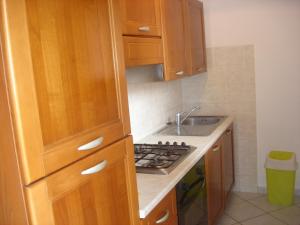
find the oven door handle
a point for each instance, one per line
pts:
(194, 184)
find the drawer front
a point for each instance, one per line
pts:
(141, 17)
(165, 213)
(142, 51)
(100, 189)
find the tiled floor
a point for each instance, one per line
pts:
(254, 209)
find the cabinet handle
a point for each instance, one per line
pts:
(144, 29)
(228, 132)
(93, 144)
(216, 148)
(179, 73)
(95, 169)
(164, 218)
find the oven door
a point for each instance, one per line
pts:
(191, 197)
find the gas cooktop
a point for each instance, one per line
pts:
(160, 158)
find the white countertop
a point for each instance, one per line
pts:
(153, 188)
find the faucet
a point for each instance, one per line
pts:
(179, 121)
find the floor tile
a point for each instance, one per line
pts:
(235, 199)
(226, 220)
(263, 220)
(290, 215)
(264, 204)
(243, 211)
(249, 195)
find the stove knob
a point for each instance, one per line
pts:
(159, 142)
(174, 143)
(167, 143)
(183, 144)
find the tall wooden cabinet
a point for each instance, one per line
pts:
(63, 77)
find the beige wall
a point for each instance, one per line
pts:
(228, 88)
(273, 27)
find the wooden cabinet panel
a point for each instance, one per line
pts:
(195, 37)
(74, 90)
(213, 174)
(141, 17)
(173, 38)
(227, 162)
(97, 190)
(164, 213)
(142, 51)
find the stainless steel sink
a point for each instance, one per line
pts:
(201, 120)
(193, 126)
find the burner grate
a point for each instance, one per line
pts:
(159, 158)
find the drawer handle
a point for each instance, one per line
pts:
(164, 218)
(228, 132)
(95, 169)
(91, 145)
(216, 148)
(179, 73)
(144, 29)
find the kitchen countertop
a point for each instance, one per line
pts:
(153, 188)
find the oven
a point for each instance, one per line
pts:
(192, 197)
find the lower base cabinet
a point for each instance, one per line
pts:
(97, 190)
(213, 175)
(165, 213)
(219, 175)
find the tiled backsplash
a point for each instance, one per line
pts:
(152, 102)
(229, 88)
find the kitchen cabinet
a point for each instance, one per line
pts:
(65, 145)
(142, 51)
(99, 189)
(195, 37)
(227, 162)
(141, 17)
(164, 213)
(173, 36)
(64, 69)
(213, 174)
(219, 166)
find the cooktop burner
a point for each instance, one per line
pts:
(160, 158)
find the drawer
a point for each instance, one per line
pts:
(142, 51)
(165, 213)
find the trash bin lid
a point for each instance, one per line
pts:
(281, 160)
(280, 155)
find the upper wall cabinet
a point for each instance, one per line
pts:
(173, 38)
(181, 47)
(195, 38)
(66, 79)
(141, 17)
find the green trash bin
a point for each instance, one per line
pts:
(281, 169)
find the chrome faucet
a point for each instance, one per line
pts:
(179, 120)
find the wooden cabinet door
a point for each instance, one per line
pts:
(173, 38)
(195, 36)
(141, 17)
(165, 213)
(98, 190)
(227, 162)
(66, 80)
(213, 173)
